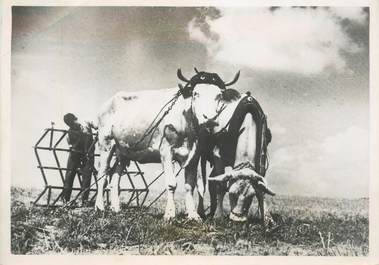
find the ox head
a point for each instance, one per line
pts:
(243, 185)
(208, 94)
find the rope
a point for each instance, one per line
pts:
(152, 127)
(80, 192)
(67, 204)
(160, 195)
(244, 165)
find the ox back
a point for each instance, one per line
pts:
(228, 149)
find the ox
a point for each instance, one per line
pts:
(236, 132)
(127, 119)
(237, 148)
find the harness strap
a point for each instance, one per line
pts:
(228, 136)
(246, 164)
(202, 78)
(152, 127)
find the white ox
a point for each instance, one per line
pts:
(126, 117)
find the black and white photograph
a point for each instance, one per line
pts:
(199, 130)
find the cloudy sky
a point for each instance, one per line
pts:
(308, 67)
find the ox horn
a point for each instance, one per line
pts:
(235, 79)
(236, 174)
(197, 71)
(245, 173)
(180, 76)
(263, 187)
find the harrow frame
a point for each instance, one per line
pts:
(55, 136)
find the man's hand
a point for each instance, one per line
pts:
(228, 169)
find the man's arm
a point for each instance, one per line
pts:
(73, 138)
(92, 125)
(69, 137)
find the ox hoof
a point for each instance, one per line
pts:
(236, 218)
(99, 207)
(268, 222)
(169, 216)
(202, 215)
(115, 209)
(195, 217)
(218, 216)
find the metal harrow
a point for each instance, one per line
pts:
(51, 141)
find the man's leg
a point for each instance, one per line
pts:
(86, 179)
(72, 165)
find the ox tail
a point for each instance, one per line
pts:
(202, 177)
(110, 156)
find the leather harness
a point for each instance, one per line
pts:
(202, 78)
(227, 138)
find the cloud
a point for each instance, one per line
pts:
(355, 14)
(300, 40)
(337, 166)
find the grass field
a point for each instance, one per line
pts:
(305, 226)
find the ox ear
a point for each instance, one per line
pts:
(181, 88)
(230, 95)
(186, 92)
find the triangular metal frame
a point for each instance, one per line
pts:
(55, 137)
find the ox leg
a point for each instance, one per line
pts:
(220, 200)
(213, 198)
(102, 175)
(190, 174)
(261, 207)
(217, 194)
(114, 187)
(264, 215)
(101, 181)
(168, 168)
(200, 206)
(217, 190)
(201, 187)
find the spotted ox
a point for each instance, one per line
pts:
(239, 141)
(128, 119)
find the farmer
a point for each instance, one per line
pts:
(81, 157)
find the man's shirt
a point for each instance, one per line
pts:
(80, 136)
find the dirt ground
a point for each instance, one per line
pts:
(304, 226)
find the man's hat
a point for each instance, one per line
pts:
(69, 118)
